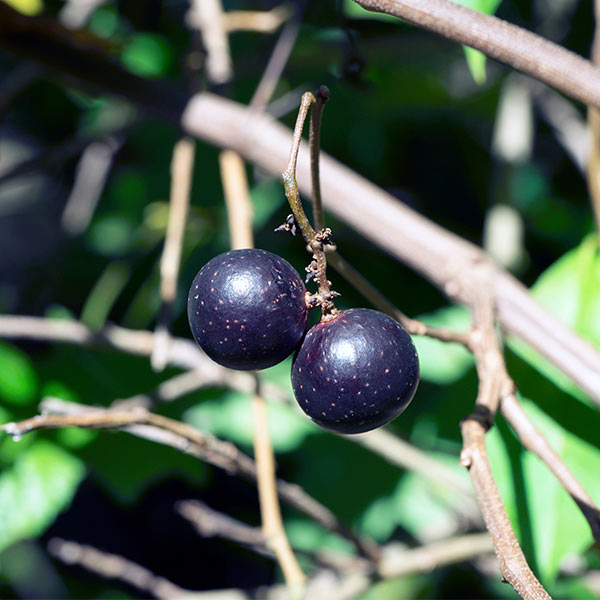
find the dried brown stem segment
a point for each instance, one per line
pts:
(316, 240)
(269, 503)
(314, 143)
(237, 199)
(507, 43)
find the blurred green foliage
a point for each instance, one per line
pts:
(411, 114)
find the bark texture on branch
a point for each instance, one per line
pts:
(507, 43)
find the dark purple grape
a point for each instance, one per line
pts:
(355, 372)
(247, 309)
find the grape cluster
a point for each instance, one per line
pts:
(351, 373)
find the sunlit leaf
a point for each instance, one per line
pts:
(569, 289)
(147, 55)
(231, 417)
(18, 380)
(35, 489)
(27, 7)
(546, 520)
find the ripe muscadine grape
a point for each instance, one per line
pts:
(356, 371)
(247, 309)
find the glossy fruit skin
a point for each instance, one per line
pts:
(355, 372)
(247, 309)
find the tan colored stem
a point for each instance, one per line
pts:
(237, 199)
(182, 166)
(269, 503)
(512, 562)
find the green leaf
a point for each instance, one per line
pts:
(267, 198)
(570, 290)
(558, 527)
(147, 55)
(35, 489)
(311, 537)
(18, 380)
(230, 416)
(547, 522)
(442, 362)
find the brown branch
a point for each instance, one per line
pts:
(210, 523)
(184, 438)
(277, 62)
(510, 556)
(507, 43)
(494, 384)
(239, 216)
(114, 566)
(316, 240)
(314, 143)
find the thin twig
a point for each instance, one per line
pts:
(270, 511)
(209, 523)
(512, 45)
(314, 143)
(91, 175)
(428, 557)
(239, 216)
(277, 61)
(316, 240)
(57, 414)
(117, 567)
(379, 301)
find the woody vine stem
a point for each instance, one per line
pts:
(318, 238)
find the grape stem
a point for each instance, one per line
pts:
(319, 238)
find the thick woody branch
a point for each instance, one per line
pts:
(507, 43)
